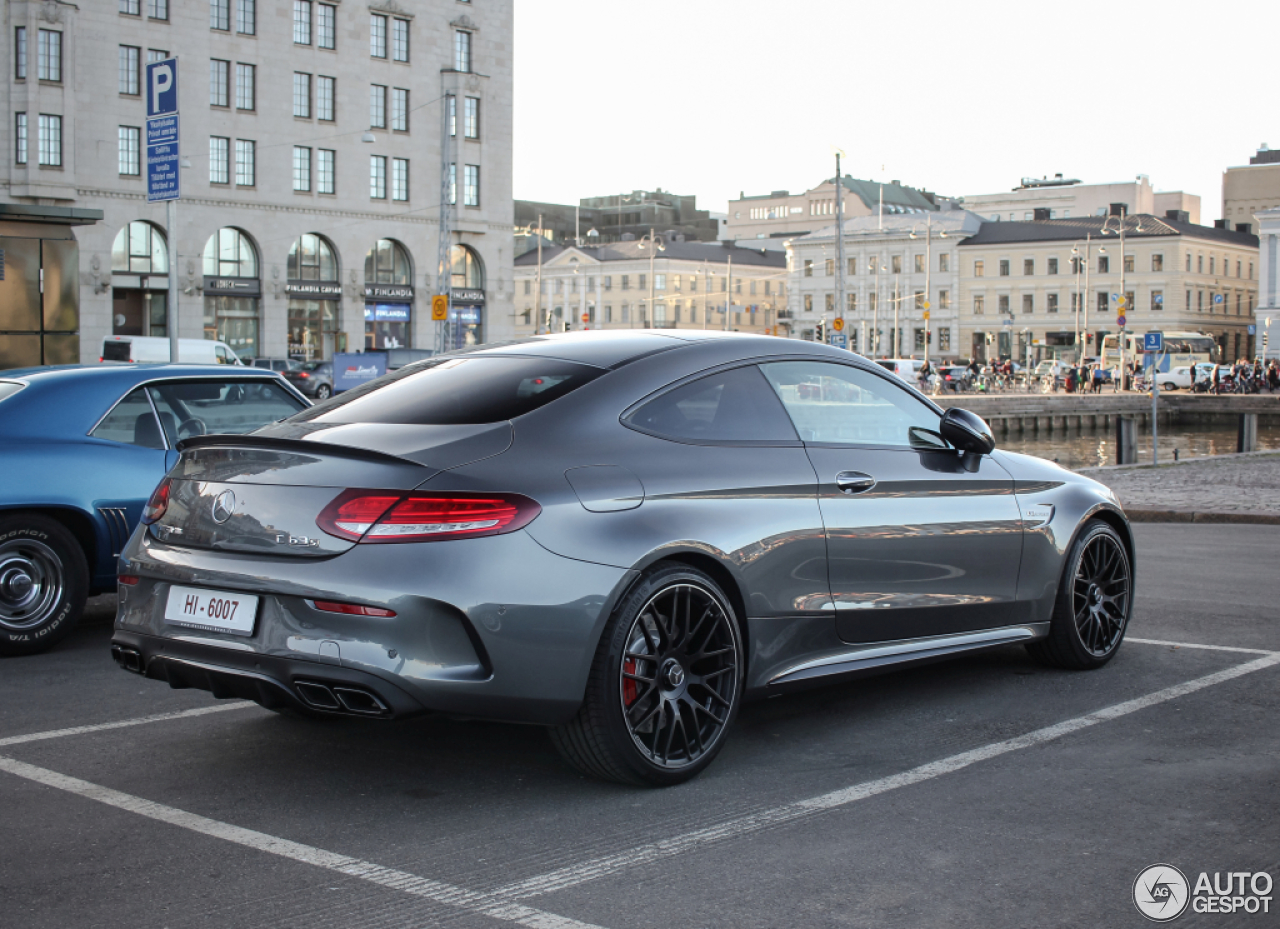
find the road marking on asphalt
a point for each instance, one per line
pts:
(1211, 648)
(122, 723)
(593, 869)
(489, 905)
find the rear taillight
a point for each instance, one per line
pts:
(388, 516)
(158, 503)
(128, 580)
(304, 375)
(351, 609)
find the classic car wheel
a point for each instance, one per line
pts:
(44, 581)
(665, 686)
(1094, 601)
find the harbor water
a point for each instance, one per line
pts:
(1087, 448)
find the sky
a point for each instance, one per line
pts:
(715, 98)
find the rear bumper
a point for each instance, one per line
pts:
(270, 681)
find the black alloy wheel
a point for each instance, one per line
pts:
(665, 686)
(1094, 602)
(44, 583)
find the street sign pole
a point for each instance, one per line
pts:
(164, 171)
(1153, 344)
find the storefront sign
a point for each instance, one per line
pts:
(322, 289)
(387, 312)
(232, 286)
(465, 314)
(471, 296)
(397, 292)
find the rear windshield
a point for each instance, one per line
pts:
(116, 351)
(455, 391)
(312, 365)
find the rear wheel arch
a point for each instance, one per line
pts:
(78, 523)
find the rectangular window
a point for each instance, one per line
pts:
(944, 299)
(853, 266)
(1052, 303)
(1028, 303)
(1028, 267)
(301, 22)
(1157, 300)
(1104, 264)
(301, 95)
(326, 25)
(919, 264)
(978, 269)
(49, 52)
(400, 40)
(399, 178)
(1199, 264)
(324, 171)
(1128, 264)
(978, 305)
(829, 302)
(944, 262)
(471, 186)
(156, 9)
(452, 109)
(246, 163)
(220, 15)
(130, 149)
(659, 282)
(1211, 264)
(1102, 302)
(131, 7)
(919, 299)
(247, 17)
(378, 175)
(453, 183)
(219, 160)
(400, 109)
(808, 267)
(831, 266)
(127, 79)
(219, 82)
(156, 54)
(246, 89)
(626, 282)
(377, 106)
(377, 36)
(1053, 266)
(1157, 262)
(462, 51)
(1004, 267)
(897, 264)
(20, 138)
(471, 118)
(20, 53)
(50, 140)
(301, 168)
(1002, 304)
(325, 92)
(1188, 262)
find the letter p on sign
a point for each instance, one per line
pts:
(162, 87)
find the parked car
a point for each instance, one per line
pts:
(908, 369)
(1175, 378)
(618, 535)
(81, 450)
(274, 364)
(138, 348)
(313, 378)
(954, 378)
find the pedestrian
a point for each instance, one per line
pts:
(1217, 378)
(1273, 377)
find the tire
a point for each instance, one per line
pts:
(44, 582)
(323, 392)
(1094, 603)
(1168, 386)
(665, 684)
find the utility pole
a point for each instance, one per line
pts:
(840, 266)
(728, 293)
(895, 342)
(1124, 307)
(537, 290)
(928, 279)
(171, 316)
(448, 185)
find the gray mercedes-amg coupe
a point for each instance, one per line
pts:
(619, 535)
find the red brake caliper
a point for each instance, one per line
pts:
(629, 689)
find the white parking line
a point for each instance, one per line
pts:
(506, 910)
(122, 723)
(594, 869)
(1211, 648)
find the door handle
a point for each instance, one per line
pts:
(854, 482)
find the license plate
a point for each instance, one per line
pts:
(215, 610)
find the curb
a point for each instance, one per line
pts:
(1199, 459)
(1139, 515)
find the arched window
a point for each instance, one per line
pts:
(388, 263)
(229, 253)
(140, 248)
(465, 267)
(312, 259)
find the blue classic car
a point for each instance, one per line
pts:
(81, 450)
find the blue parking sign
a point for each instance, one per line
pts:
(1153, 342)
(162, 87)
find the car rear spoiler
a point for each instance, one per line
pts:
(290, 445)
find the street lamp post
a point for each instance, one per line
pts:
(654, 244)
(928, 277)
(1081, 303)
(1124, 305)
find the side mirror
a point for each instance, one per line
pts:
(967, 432)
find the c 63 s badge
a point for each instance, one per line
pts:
(296, 541)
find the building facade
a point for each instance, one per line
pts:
(626, 285)
(1268, 314)
(1066, 198)
(1022, 283)
(900, 262)
(781, 214)
(1250, 189)
(317, 139)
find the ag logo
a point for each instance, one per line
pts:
(1161, 893)
(223, 506)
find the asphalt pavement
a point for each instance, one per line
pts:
(982, 792)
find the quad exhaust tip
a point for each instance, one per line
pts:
(128, 658)
(341, 699)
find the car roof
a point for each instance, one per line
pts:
(123, 372)
(606, 348)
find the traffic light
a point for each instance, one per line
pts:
(822, 330)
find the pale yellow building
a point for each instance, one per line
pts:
(626, 285)
(1060, 197)
(1021, 284)
(781, 214)
(1251, 188)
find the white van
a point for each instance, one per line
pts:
(907, 369)
(142, 348)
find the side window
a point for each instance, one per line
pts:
(729, 406)
(192, 408)
(843, 405)
(132, 422)
(221, 354)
